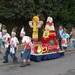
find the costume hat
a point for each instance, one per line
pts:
(23, 31)
(14, 30)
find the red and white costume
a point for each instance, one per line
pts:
(13, 44)
(6, 39)
(27, 41)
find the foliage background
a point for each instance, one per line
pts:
(19, 12)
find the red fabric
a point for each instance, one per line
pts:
(27, 45)
(9, 40)
(50, 24)
(35, 49)
(63, 41)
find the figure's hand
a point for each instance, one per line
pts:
(6, 42)
(68, 42)
(71, 33)
(20, 44)
(12, 46)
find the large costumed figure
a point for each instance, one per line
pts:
(35, 24)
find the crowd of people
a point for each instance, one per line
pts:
(64, 38)
(10, 43)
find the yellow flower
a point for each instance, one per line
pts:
(46, 33)
(35, 18)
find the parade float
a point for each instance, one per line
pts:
(48, 48)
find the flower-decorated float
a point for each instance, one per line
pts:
(48, 48)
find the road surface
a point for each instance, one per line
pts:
(61, 66)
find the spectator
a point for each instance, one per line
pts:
(59, 33)
(65, 39)
(72, 40)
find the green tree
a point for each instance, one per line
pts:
(19, 12)
(15, 9)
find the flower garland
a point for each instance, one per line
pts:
(50, 24)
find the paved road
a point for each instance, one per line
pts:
(60, 66)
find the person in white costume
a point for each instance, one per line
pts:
(13, 45)
(26, 41)
(6, 40)
(5, 37)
